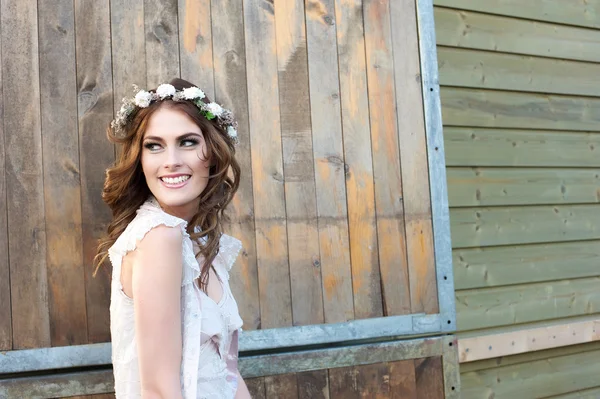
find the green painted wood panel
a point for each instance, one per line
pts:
(593, 393)
(489, 70)
(497, 266)
(483, 227)
(536, 379)
(475, 186)
(466, 29)
(503, 147)
(581, 13)
(486, 108)
(523, 303)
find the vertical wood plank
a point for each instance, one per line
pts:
(62, 192)
(162, 41)
(231, 89)
(403, 380)
(95, 110)
(386, 159)
(24, 188)
(413, 153)
(330, 167)
(256, 386)
(298, 166)
(357, 148)
(267, 164)
(313, 385)
(5, 310)
(343, 383)
(195, 43)
(429, 377)
(281, 386)
(368, 381)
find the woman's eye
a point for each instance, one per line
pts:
(189, 142)
(152, 146)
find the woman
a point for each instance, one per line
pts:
(174, 321)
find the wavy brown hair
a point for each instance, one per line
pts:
(125, 188)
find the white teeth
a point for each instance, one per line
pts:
(174, 180)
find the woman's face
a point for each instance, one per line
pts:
(174, 161)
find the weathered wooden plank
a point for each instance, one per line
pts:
(511, 186)
(24, 175)
(330, 166)
(370, 381)
(557, 11)
(481, 227)
(313, 385)
(95, 107)
(267, 164)
(524, 340)
(535, 379)
(60, 385)
(366, 282)
(298, 166)
(256, 386)
(483, 108)
(231, 89)
(496, 266)
(488, 70)
(429, 377)
(62, 187)
(592, 393)
(281, 386)
(5, 311)
(162, 44)
(502, 147)
(414, 193)
(195, 42)
(489, 307)
(510, 35)
(403, 383)
(393, 263)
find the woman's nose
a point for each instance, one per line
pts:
(173, 158)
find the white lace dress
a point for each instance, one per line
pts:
(209, 329)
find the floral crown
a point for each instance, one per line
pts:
(143, 99)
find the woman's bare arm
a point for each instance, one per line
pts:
(242, 390)
(156, 285)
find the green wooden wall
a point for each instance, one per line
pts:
(521, 110)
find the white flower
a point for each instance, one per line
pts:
(165, 90)
(214, 109)
(231, 132)
(143, 98)
(191, 93)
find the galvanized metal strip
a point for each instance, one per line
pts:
(58, 386)
(381, 327)
(437, 164)
(450, 367)
(321, 359)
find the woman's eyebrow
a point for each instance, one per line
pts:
(156, 138)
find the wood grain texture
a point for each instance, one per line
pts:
(489, 70)
(518, 36)
(162, 41)
(5, 311)
(267, 164)
(256, 386)
(510, 305)
(62, 187)
(529, 186)
(281, 386)
(535, 379)
(95, 108)
(366, 283)
(313, 385)
(389, 205)
(24, 175)
(298, 165)
(482, 108)
(502, 147)
(582, 13)
(429, 378)
(482, 227)
(196, 41)
(511, 265)
(231, 90)
(329, 159)
(416, 196)
(403, 384)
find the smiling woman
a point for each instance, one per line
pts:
(174, 321)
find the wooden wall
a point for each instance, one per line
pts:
(521, 111)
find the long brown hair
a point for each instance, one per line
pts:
(125, 188)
